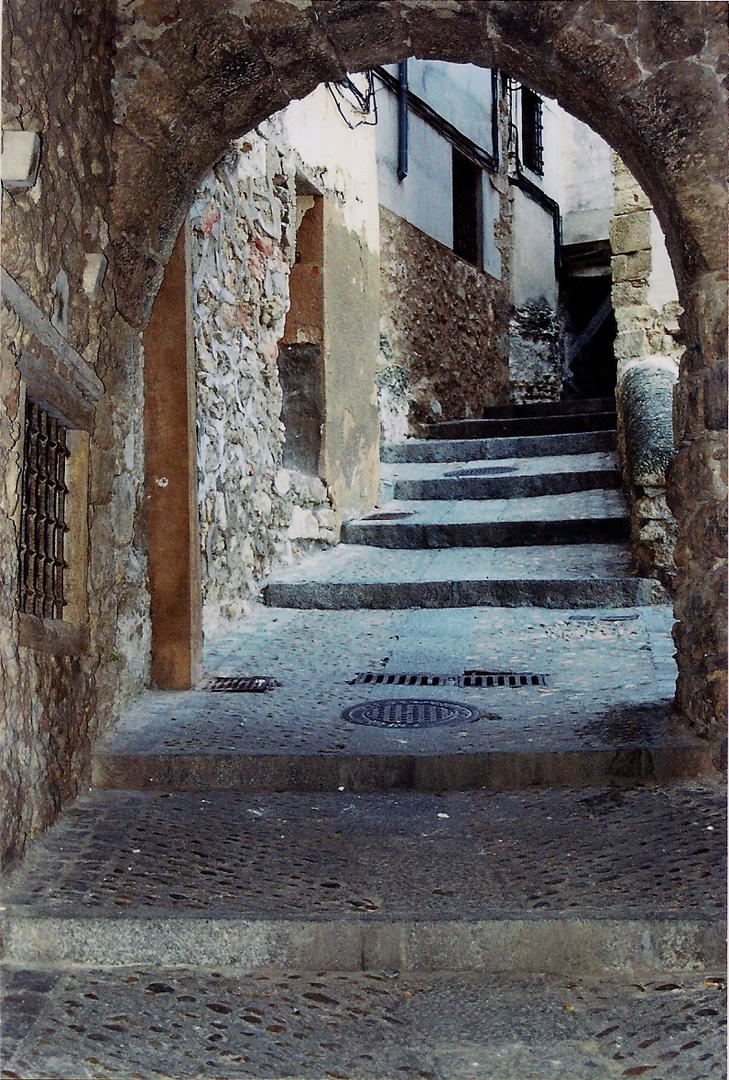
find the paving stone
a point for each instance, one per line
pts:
(144, 1022)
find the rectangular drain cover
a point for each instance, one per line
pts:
(386, 678)
(501, 678)
(468, 678)
(241, 684)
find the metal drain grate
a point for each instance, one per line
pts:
(388, 678)
(501, 678)
(241, 684)
(485, 470)
(410, 713)
(468, 678)
(390, 515)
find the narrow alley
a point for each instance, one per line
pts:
(363, 539)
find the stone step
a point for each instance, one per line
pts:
(551, 424)
(508, 486)
(589, 517)
(551, 408)
(496, 449)
(539, 881)
(363, 576)
(361, 1024)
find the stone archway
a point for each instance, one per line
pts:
(647, 76)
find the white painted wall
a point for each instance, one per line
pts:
(424, 197)
(549, 181)
(586, 182)
(460, 93)
(532, 267)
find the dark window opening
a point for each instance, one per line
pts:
(466, 209)
(43, 515)
(532, 139)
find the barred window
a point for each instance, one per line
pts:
(466, 209)
(532, 141)
(43, 514)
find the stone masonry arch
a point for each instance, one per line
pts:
(650, 77)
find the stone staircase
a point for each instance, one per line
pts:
(458, 835)
(545, 515)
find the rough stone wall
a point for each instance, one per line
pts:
(56, 78)
(253, 512)
(648, 350)
(697, 495)
(535, 354)
(444, 331)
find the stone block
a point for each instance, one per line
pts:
(630, 232)
(645, 404)
(629, 196)
(629, 293)
(631, 345)
(94, 272)
(631, 267)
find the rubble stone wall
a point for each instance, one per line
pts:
(253, 512)
(648, 350)
(535, 353)
(444, 332)
(56, 82)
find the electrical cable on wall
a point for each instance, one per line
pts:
(361, 103)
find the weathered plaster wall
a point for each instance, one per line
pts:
(340, 164)
(444, 326)
(648, 349)
(56, 82)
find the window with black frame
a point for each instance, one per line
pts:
(532, 135)
(466, 208)
(43, 524)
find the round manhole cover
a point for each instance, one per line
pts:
(410, 713)
(485, 470)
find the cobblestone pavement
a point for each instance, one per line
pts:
(143, 1022)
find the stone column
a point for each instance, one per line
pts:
(647, 350)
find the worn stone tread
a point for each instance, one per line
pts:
(553, 423)
(147, 1022)
(362, 576)
(499, 448)
(593, 516)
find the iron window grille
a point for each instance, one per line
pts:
(466, 209)
(43, 514)
(532, 132)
